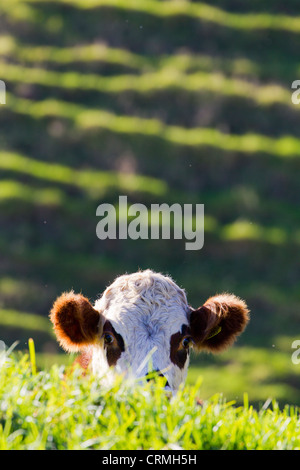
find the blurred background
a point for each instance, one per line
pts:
(162, 101)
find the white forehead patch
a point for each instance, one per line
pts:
(145, 298)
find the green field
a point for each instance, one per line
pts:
(47, 411)
(162, 101)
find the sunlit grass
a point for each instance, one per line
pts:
(84, 118)
(24, 320)
(244, 229)
(71, 262)
(188, 63)
(19, 11)
(60, 409)
(199, 10)
(265, 373)
(100, 52)
(166, 78)
(94, 182)
(12, 189)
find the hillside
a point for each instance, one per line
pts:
(162, 101)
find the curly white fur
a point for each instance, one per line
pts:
(146, 309)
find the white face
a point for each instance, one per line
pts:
(145, 329)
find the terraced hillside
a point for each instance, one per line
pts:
(162, 101)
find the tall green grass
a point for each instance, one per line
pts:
(61, 409)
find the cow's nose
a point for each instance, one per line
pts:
(156, 373)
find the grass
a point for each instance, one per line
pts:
(167, 78)
(68, 55)
(188, 63)
(93, 182)
(26, 321)
(199, 10)
(265, 373)
(13, 190)
(84, 118)
(60, 409)
(54, 197)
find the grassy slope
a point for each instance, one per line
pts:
(173, 102)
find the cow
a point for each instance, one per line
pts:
(142, 325)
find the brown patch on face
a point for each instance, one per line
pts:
(113, 343)
(84, 359)
(178, 352)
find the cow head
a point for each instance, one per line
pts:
(144, 318)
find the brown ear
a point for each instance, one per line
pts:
(216, 324)
(76, 322)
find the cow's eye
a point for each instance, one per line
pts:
(108, 338)
(186, 342)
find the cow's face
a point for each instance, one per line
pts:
(143, 324)
(146, 327)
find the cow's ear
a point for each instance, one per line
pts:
(216, 324)
(76, 323)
